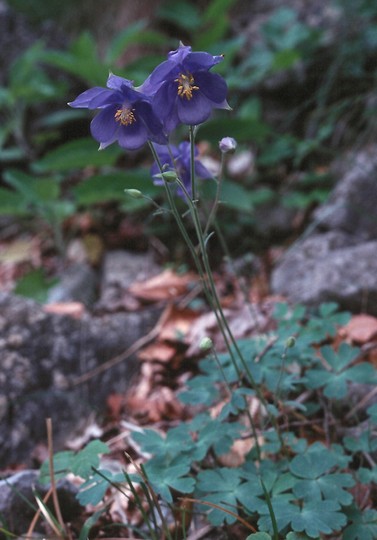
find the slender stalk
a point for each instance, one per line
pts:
(209, 287)
(216, 202)
(205, 272)
(202, 273)
(192, 161)
(55, 498)
(270, 510)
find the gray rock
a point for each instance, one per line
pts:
(42, 355)
(119, 270)
(78, 283)
(272, 221)
(18, 505)
(352, 205)
(330, 267)
(338, 260)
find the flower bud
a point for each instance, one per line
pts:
(134, 193)
(168, 176)
(228, 145)
(290, 342)
(206, 344)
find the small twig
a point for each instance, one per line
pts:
(326, 421)
(361, 403)
(196, 290)
(52, 474)
(369, 459)
(144, 340)
(266, 348)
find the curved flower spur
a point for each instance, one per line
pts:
(126, 115)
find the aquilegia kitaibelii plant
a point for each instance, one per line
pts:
(181, 90)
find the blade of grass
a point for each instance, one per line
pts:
(52, 477)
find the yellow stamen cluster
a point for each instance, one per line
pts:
(125, 116)
(186, 85)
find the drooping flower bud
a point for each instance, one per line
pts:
(134, 193)
(228, 145)
(168, 176)
(206, 344)
(290, 342)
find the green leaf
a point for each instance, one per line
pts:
(317, 517)
(24, 183)
(363, 525)
(184, 14)
(80, 463)
(88, 458)
(177, 440)
(133, 34)
(235, 196)
(242, 129)
(93, 490)
(330, 486)
(285, 59)
(81, 60)
(225, 488)
(311, 465)
(12, 204)
(215, 24)
(335, 378)
(284, 512)
(34, 285)
(341, 359)
(299, 536)
(77, 154)
(366, 476)
(164, 476)
(62, 465)
(219, 435)
(110, 187)
(326, 323)
(316, 482)
(363, 443)
(201, 391)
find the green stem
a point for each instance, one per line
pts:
(270, 510)
(215, 205)
(210, 290)
(192, 161)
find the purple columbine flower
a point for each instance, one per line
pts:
(183, 89)
(178, 160)
(126, 115)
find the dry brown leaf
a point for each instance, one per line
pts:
(158, 352)
(19, 251)
(242, 322)
(160, 404)
(164, 286)
(177, 324)
(115, 406)
(73, 309)
(360, 329)
(237, 454)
